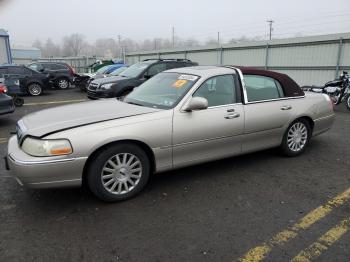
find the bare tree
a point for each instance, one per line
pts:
(73, 44)
(50, 49)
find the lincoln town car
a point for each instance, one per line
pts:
(180, 117)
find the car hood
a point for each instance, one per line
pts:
(60, 118)
(112, 79)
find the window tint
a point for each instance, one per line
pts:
(219, 90)
(172, 65)
(27, 71)
(36, 67)
(57, 67)
(3, 72)
(14, 70)
(155, 69)
(261, 88)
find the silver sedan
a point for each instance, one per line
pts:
(178, 118)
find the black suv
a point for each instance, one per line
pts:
(30, 81)
(61, 75)
(135, 75)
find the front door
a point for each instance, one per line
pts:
(211, 133)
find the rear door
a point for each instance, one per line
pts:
(267, 112)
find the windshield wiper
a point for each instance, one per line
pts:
(132, 103)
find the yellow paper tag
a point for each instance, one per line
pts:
(179, 83)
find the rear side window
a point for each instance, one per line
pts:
(155, 69)
(13, 70)
(3, 72)
(260, 88)
(58, 67)
(172, 65)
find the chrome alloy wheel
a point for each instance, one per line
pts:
(121, 173)
(63, 84)
(297, 137)
(34, 89)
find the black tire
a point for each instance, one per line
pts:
(62, 83)
(35, 89)
(18, 101)
(121, 175)
(347, 102)
(288, 141)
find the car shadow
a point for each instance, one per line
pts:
(220, 169)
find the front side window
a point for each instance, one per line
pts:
(218, 90)
(156, 69)
(164, 90)
(260, 88)
(135, 70)
(36, 67)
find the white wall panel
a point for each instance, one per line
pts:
(312, 55)
(245, 57)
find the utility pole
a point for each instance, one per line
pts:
(173, 37)
(271, 28)
(119, 45)
(218, 38)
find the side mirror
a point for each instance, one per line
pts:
(196, 103)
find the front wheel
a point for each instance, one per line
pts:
(35, 89)
(296, 137)
(118, 172)
(348, 102)
(63, 83)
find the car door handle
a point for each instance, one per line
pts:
(231, 116)
(286, 107)
(230, 110)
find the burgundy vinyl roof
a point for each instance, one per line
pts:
(290, 87)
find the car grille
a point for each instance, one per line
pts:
(93, 86)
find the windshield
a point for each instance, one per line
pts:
(135, 70)
(102, 70)
(163, 91)
(118, 71)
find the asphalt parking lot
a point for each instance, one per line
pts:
(256, 206)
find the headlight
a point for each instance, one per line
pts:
(106, 86)
(40, 147)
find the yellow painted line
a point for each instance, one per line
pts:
(323, 243)
(260, 252)
(54, 102)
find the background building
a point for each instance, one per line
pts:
(5, 51)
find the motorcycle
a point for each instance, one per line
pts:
(338, 89)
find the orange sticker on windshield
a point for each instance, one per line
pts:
(179, 83)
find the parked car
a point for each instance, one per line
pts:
(30, 81)
(132, 77)
(178, 118)
(84, 80)
(61, 74)
(6, 103)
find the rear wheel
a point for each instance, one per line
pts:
(296, 138)
(35, 89)
(118, 172)
(348, 102)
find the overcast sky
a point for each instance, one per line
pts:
(27, 20)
